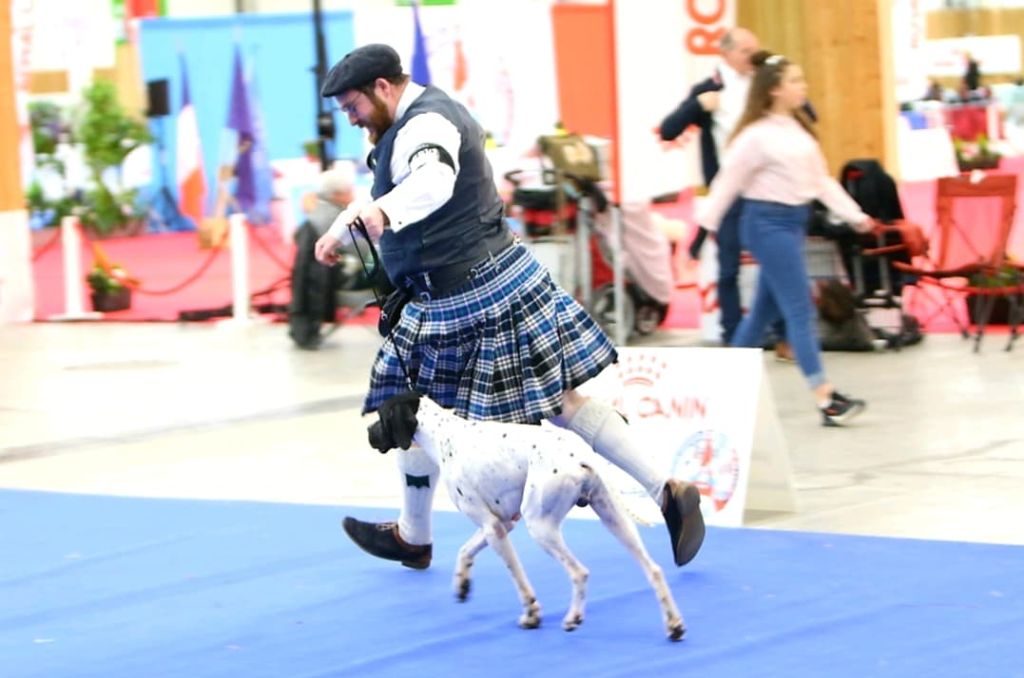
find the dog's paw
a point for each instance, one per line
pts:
(572, 621)
(531, 616)
(529, 622)
(462, 589)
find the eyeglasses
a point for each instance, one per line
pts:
(350, 107)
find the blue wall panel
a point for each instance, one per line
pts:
(280, 52)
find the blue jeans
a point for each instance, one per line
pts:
(729, 249)
(774, 233)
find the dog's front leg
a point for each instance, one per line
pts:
(464, 563)
(497, 539)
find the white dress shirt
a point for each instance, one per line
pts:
(732, 100)
(423, 182)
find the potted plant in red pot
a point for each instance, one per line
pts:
(1010, 275)
(111, 290)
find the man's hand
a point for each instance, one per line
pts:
(374, 219)
(326, 249)
(708, 101)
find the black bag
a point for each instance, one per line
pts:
(391, 312)
(841, 326)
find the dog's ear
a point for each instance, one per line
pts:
(401, 422)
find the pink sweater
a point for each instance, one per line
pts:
(775, 159)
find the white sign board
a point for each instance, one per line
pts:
(994, 54)
(706, 416)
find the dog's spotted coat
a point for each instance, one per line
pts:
(497, 473)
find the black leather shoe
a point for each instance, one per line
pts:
(681, 508)
(382, 540)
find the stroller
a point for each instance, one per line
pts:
(868, 258)
(568, 203)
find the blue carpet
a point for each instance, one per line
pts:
(115, 587)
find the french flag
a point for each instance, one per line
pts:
(191, 181)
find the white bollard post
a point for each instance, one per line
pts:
(239, 268)
(71, 242)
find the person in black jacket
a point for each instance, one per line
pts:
(715, 105)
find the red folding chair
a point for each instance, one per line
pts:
(968, 252)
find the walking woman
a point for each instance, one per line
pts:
(775, 163)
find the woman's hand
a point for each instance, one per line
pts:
(869, 224)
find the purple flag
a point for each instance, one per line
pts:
(241, 121)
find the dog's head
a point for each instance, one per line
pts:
(396, 422)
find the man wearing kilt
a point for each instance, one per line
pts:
(486, 331)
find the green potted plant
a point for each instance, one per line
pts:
(1009, 275)
(110, 290)
(975, 155)
(107, 134)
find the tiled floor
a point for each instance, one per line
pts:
(233, 411)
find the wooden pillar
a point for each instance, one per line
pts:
(16, 301)
(845, 49)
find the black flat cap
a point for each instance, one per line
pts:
(360, 67)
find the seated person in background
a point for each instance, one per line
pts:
(313, 286)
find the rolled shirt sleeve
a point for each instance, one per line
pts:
(424, 166)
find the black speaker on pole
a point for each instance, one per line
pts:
(156, 95)
(163, 208)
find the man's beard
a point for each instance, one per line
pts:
(380, 120)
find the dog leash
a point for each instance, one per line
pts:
(377, 266)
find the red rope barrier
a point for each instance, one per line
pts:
(136, 285)
(42, 249)
(217, 248)
(266, 248)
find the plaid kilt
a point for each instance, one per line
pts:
(503, 347)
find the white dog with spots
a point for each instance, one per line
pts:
(498, 473)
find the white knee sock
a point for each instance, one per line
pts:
(610, 436)
(419, 478)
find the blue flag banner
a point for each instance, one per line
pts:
(420, 67)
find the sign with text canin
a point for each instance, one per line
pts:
(695, 411)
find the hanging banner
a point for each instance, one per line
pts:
(660, 54)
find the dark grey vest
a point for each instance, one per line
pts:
(463, 230)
